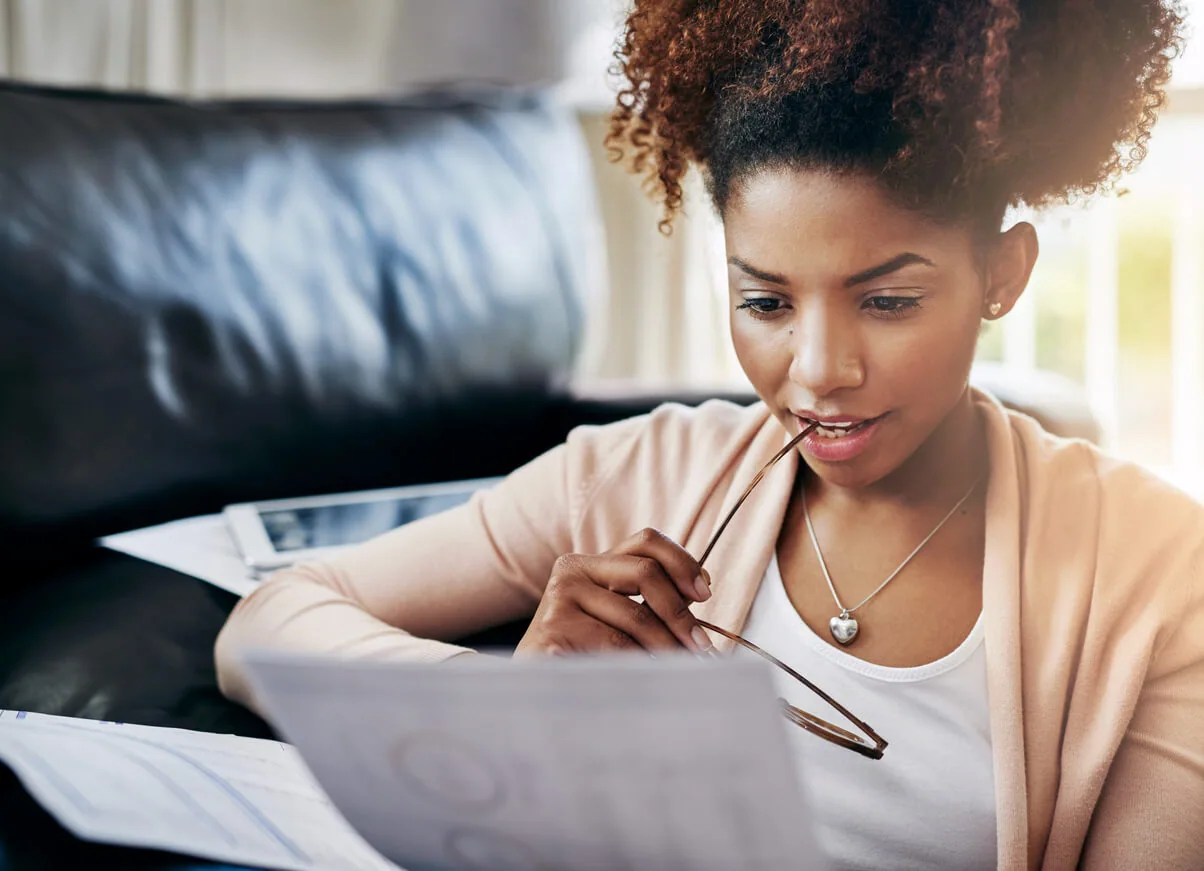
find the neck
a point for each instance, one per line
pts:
(939, 471)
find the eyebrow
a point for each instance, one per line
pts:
(896, 263)
(899, 261)
(771, 277)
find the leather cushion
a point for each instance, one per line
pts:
(208, 302)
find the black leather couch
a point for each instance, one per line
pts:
(209, 303)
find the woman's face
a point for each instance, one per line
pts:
(851, 310)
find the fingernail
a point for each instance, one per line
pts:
(700, 639)
(700, 586)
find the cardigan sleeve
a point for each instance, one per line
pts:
(406, 594)
(1151, 809)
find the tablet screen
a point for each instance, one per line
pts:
(342, 524)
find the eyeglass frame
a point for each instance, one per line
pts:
(815, 725)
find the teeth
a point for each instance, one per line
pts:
(837, 430)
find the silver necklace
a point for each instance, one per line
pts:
(845, 627)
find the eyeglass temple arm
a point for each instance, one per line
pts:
(761, 474)
(840, 737)
(841, 709)
(804, 719)
(870, 733)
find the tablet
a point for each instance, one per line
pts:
(279, 532)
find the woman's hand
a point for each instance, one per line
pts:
(587, 606)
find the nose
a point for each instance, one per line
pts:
(827, 353)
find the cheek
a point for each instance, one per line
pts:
(762, 351)
(932, 362)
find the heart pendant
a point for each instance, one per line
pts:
(844, 627)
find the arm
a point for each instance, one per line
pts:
(1152, 805)
(404, 595)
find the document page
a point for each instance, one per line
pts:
(556, 764)
(197, 546)
(222, 797)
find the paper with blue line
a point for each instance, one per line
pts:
(241, 800)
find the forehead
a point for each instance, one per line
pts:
(779, 218)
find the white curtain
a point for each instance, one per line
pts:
(202, 48)
(663, 319)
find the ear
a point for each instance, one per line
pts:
(1010, 263)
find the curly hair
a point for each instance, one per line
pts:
(960, 107)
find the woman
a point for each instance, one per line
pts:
(1037, 661)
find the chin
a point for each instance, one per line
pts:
(849, 476)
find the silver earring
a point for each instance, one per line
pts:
(995, 308)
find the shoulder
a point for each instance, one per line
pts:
(618, 469)
(673, 438)
(672, 425)
(646, 470)
(1140, 535)
(1076, 472)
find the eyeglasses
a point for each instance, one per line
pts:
(871, 748)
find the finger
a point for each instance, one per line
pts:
(560, 622)
(587, 634)
(691, 580)
(633, 575)
(635, 619)
(674, 611)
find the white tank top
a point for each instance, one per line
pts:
(929, 803)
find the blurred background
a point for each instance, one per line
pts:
(1116, 303)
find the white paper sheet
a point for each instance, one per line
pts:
(220, 797)
(550, 765)
(197, 546)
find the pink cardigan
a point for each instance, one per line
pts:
(1093, 594)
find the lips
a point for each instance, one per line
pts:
(838, 440)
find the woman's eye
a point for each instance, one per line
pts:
(895, 306)
(761, 306)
